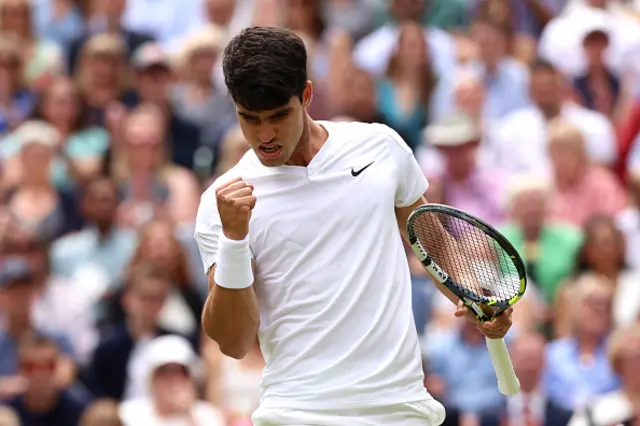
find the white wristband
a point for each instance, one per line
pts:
(233, 268)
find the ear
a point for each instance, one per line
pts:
(307, 95)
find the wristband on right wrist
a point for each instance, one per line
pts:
(233, 267)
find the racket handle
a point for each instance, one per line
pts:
(508, 382)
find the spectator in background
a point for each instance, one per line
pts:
(42, 58)
(45, 402)
(105, 16)
(467, 184)
(17, 295)
(404, 95)
(151, 185)
(117, 369)
(603, 254)
(16, 100)
(102, 75)
(172, 400)
(577, 181)
(60, 21)
(548, 248)
(153, 77)
(577, 369)
(233, 148)
(522, 134)
(531, 406)
(620, 407)
(506, 79)
(103, 412)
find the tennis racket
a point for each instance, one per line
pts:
(477, 264)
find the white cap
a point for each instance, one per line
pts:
(36, 132)
(452, 131)
(594, 21)
(170, 349)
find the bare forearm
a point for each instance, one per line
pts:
(231, 317)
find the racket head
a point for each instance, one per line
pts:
(485, 268)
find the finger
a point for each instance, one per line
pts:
(247, 203)
(239, 193)
(226, 184)
(461, 311)
(224, 192)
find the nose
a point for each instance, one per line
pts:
(266, 134)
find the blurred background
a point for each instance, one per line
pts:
(114, 117)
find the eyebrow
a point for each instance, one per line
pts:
(274, 115)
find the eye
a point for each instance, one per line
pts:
(280, 115)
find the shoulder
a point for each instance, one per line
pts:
(516, 118)
(586, 118)
(133, 410)
(366, 134)
(68, 244)
(559, 347)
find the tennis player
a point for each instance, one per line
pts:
(302, 243)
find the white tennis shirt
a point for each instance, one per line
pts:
(332, 278)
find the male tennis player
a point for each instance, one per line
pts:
(302, 242)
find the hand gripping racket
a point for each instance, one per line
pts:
(477, 264)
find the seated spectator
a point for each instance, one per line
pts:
(16, 101)
(102, 76)
(103, 412)
(60, 21)
(621, 407)
(169, 375)
(405, 93)
(45, 401)
(152, 186)
(548, 248)
(233, 385)
(105, 16)
(153, 77)
(43, 59)
(81, 147)
(18, 291)
(603, 255)
(531, 406)
(98, 253)
(196, 97)
(471, 391)
(577, 368)
(232, 149)
(117, 369)
(628, 220)
(577, 180)
(468, 185)
(160, 248)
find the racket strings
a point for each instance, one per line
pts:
(471, 257)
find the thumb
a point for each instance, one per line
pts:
(461, 310)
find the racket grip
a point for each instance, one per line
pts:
(508, 382)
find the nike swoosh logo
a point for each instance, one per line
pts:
(356, 173)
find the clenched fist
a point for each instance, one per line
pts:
(235, 202)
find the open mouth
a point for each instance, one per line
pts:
(270, 151)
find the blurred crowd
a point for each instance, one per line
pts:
(523, 112)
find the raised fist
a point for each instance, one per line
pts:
(235, 202)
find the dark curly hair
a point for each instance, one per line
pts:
(265, 67)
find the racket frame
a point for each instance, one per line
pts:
(508, 382)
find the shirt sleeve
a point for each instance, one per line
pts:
(208, 228)
(411, 182)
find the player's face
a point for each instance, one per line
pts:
(274, 135)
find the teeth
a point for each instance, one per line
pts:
(270, 148)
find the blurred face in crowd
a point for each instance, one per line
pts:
(546, 90)
(491, 41)
(104, 69)
(202, 62)
(604, 246)
(159, 243)
(38, 365)
(469, 96)
(301, 15)
(16, 300)
(168, 381)
(407, 10)
(593, 311)
(61, 104)
(527, 354)
(568, 160)
(15, 17)
(100, 203)
(10, 71)
(36, 159)
(361, 102)
(144, 300)
(153, 84)
(594, 46)
(144, 134)
(113, 8)
(530, 208)
(412, 49)
(220, 12)
(460, 160)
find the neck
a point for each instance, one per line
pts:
(313, 138)
(531, 232)
(608, 270)
(139, 329)
(40, 403)
(550, 111)
(104, 229)
(565, 182)
(529, 387)
(588, 343)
